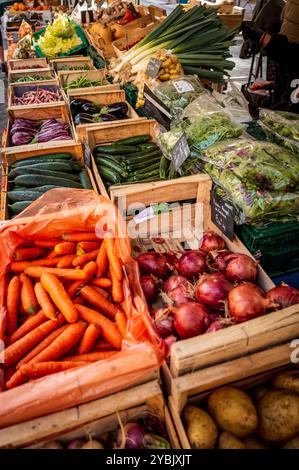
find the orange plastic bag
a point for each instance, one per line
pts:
(62, 211)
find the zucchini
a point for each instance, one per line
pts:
(145, 156)
(142, 165)
(149, 146)
(17, 207)
(113, 158)
(85, 181)
(16, 196)
(111, 164)
(138, 139)
(42, 158)
(33, 181)
(110, 175)
(147, 169)
(34, 171)
(151, 176)
(115, 149)
(54, 166)
(45, 188)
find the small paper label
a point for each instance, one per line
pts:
(182, 86)
(153, 67)
(222, 215)
(180, 152)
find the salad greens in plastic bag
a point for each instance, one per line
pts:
(281, 128)
(177, 94)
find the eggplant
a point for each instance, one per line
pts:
(76, 104)
(118, 109)
(90, 108)
(106, 117)
(83, 118)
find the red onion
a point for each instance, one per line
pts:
(191, 319)
(191, 263)
(163, 321)
(246, 302)
(168, 342)
(153, 263)
(219, 259)
(212, 289)
(176, 288)
(180, 295)
(283, 296)
(241, 268)
(175, 281)
(150, 288)
(133, 436)
(212, 241)
(215, 326)
(171, 257)
(75, 444)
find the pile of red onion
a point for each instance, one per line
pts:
(205, 290)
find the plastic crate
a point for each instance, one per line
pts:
(79, 32)
(276, 246)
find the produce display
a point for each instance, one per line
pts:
(53, 302)
(205, 290)
(145, 433)
(31, 78)
(133, 159)
(120, 11)
(86, 112)
(262, 417)
(281, 128)
(28, 131)
(38, 96)
(32, 177)
(83, 82)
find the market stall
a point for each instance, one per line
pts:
(136, 202)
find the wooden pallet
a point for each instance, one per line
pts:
(244, 372)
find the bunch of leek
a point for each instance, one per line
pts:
(197, 37)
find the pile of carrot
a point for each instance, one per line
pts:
(63, 306)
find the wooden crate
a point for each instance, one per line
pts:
(28, 64)
(44, 112)
(67, 77)
(92, 419)
(58, 64)
(131, 37)
(232, 21)
(100, 98)
(16, 89)
(245, 372)
(109, 133)
(18, 74)
(75, 149)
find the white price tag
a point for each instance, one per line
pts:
(182, 86)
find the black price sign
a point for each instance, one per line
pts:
(180, 152)
(153, 67)
(87, 155)
(223, 215)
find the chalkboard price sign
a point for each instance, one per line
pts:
(153, 67)
(222, 215)
(180, 152)
(87, 155)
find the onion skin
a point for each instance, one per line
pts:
(192, 263)
(212, 241)
(163, 321)
(150, 288)
(241, 268)
(191, 319)
(283, 296)
(246, 302)
(153, 263)
(179, 295)
(175, 281)
(215, 326)
(212, 289)
(219, 259)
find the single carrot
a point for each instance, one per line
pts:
(22, 311)
(12, 304)
(65, 248)
(20, 266)
(78, 300)
(101, 291)
(46, 243)
(92, 356)
(114, 261)
(102, 345)
(71, 274)
(83, 259)
(18, 378)
(117, 288)
(28, 297)
(30, 324)
(62, 344)
(59, 296)
(101, 282)
(35, 371)
(89, 338)
(52, 254)
(121, 323)
(45, 301)
(80, 237)
(95, 298)
(15, 351)
(41, 346)
(86, 247)
(109, 330)
(66, 261)
(90, 269)
(22, 254)
(102, 260)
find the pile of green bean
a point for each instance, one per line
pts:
(83, 82)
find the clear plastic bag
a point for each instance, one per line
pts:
(281, 128)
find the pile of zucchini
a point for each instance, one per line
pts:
(131, 160)
(34, 176)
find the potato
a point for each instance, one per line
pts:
(252, 442)
(288, 380)
(200, 427)
(233, 411)
(292, 443)
(278, 413)
(228, 441)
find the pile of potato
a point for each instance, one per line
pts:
(266, 417)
